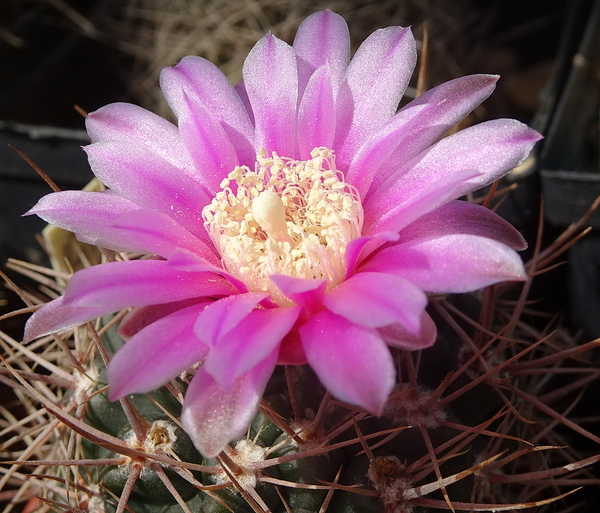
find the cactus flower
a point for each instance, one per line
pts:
(298, 217)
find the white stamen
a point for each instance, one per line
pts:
(269, 212)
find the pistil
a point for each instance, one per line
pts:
(269, 212)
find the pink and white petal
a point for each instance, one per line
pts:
(206, 84)
(141, 316)
(271, 79)
(291, 351)
(431, 196)
(316, 114)
(462, 217)
(224, 315)
(450, 264)
(304, 292)
(159, 234)
(359, 248)
(352, 361)
(149, 181)
(55, 316)
(248, 343)
(397, 335)
(89, 215)
(375, 299)
(187, 261)
(207, 143)
(240, 89)
(124, 122)
(415, 127)
(366, 163)
(156, 354)
(373, 86)
(469, 159)
(213, 417)
(118, 285)
(322, 38)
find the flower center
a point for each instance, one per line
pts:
(285, 217)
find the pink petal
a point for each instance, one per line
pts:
(149, 181)
(118, 285)
(426, 199)
(187, 261)
(375, 81)
(416, 127)
(159, 234)
(376, 299)
(304, 292)
(462, 217)
(55, 316)
(358, 249)
(322, 38)
(291, 351)
(124, 122)
(397, 335)
(89, 215)
(475, 156)
(352, 361)
(451, 263)
(223, 315)
(316, 115)
(271, 80)
(156, 354)
(205, 84)
(206, 140)
(240, 89)
(141, 316)
(107, 288)
(252, 340)
(213, 417)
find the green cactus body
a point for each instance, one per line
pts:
(265, 441)
(303, 461)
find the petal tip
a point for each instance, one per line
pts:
(535, 135)
(29, 334)
(113, 396)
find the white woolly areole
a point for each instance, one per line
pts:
(245, 454)
(96, 501)
(85, 384)
(286, 217)
(160, 437)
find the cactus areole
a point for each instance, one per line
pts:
(300, 216)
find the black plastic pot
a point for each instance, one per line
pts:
(564, 170)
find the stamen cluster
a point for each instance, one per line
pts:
(285, 217)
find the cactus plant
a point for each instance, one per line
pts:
(460, 425)
(473, 423)
(480, 434)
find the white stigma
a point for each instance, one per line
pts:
(269, 212)
(285, 217)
